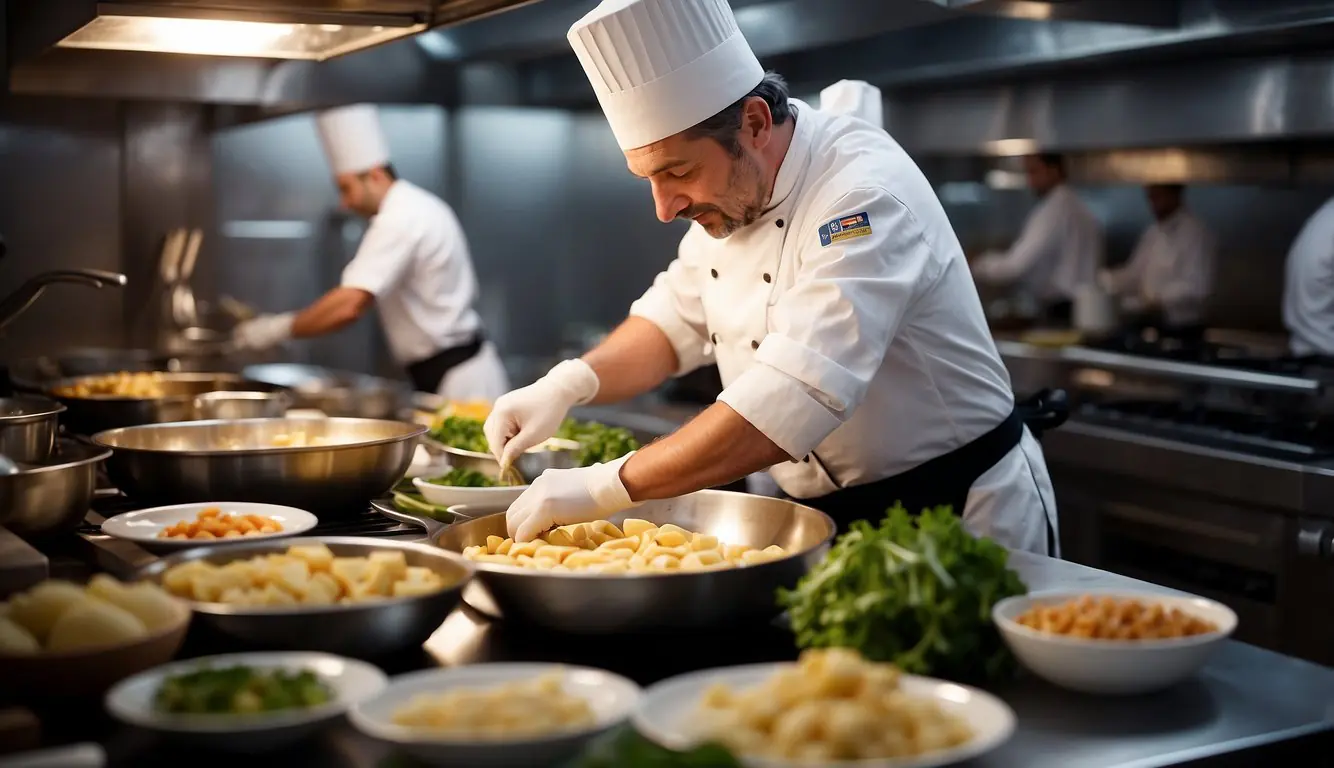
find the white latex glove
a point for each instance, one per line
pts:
(264, 331)
(568, 496)
(525, 417)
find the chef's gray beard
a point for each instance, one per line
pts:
(746, 197)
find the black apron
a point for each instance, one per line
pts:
(946, 479)
(427, 374)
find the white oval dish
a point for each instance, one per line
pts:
(453, 495)
(611, 697)
(143, 526)
(667, 708)
(131, 701)
(1115, 667)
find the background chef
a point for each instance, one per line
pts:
(1059, 249)
(412, 264)
(822, 275)
(1171, 271)
(1308, 291)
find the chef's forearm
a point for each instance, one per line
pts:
(333, 311)
(715, 448)
(634, 359)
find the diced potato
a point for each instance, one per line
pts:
(414, 589)
(393, 560)
(493, 544)
(629, 542)
(702, 541)
(554, 552)
(608, 529)
(637, 527)
(349, 570)
(666, 538)
(379, 579)
(560, 538)
(293, 577)
(317, 556)
(525, 548)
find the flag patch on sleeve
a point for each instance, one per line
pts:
(845, 228)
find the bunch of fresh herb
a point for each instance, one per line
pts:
(917, 593)
(598, 443)
(462, 433)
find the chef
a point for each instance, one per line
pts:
(1059, 249)
(1171, 270)
(1308, 293)
(820, 273)
(412, 264)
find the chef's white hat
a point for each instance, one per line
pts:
(353, 140)
(659, 67)
(855, 98)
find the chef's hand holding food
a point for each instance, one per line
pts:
(525, 417)
(263, 332)
(568, 496)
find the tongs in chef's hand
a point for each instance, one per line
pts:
(1046, 410)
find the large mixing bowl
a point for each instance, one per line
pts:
(51, 497)
(87, 415)
(595, 604)
(28, 427)
(365, 630)
(273, 461)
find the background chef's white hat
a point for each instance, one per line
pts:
(353, 140)
(855, 98)
(661, 66)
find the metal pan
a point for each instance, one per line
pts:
(51, 497)
(597, 604)
(242, 460)
(93, 414)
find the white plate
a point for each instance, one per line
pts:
(1113, 667)
(611, 697)
(143, 526)
(666, 712)
(451, 495)
(351, 681)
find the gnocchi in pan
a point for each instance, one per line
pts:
(639, 547)
(524, 709)
(831, 705)
(306, 574)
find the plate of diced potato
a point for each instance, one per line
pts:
(335, 594)
(183, 526)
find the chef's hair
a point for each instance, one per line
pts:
(1052, 160)
(723, 126)
(388, 169)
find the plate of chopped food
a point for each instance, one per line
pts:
(488, 715)
(830, 708)
(244, 701)
(1115, 642)
(183, 526)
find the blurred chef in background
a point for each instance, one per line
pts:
(1170, 274)
(1308, 293)
(822, 275)
(412, 264)
(1059, 249)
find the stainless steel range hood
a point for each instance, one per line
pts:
(279, 29)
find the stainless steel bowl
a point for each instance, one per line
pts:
(241, 405)
(596, 604)
(243, 460)
(51, 497)
(28, 427)
(554, 454)
(366, 630)
(89, 415)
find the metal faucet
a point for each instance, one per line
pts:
(15, 303)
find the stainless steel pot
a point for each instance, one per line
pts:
(596, 604)
(241, 405)
(245, 460)
(336, 393)
(51, 497)
(89, 415)
(28, 427)
(365, 630)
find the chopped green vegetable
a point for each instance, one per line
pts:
(915, 594)
(462, 433)
(624, 747)
(460, 477)
(598, 443)
(415, 504)
(240, 690)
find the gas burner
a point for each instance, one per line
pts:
(1302, 440)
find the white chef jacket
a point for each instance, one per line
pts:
(1059, 249)
(1308, 293)
(414, 260)
(1172, 265)
(847, 329)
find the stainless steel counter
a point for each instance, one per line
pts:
(1246, 707)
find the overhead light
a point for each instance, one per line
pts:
(1011, 147)
(276, 35)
